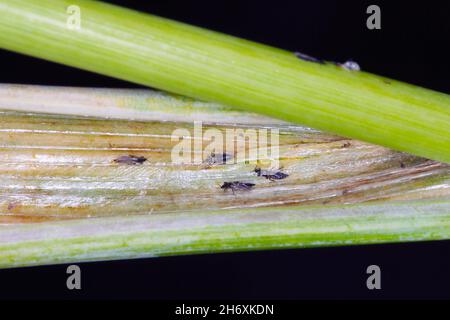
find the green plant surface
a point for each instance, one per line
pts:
(221, 231)
(207, 65)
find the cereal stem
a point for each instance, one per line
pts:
(203, 64)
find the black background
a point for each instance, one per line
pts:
(412, 46)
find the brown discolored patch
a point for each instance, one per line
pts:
(427, 166)
(12, 205)
(22, 219)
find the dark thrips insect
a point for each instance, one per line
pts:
(130, 160)
(305, 57)
(220, 158)
(237, 186)
(271, 176)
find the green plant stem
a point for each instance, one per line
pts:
(221, 231)
(214, 67)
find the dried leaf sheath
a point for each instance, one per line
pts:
(130, 104)
(54, 167)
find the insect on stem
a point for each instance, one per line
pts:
(237, 186)
(130, 160)
(305, 57)
(271, 176)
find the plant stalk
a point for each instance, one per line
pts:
(126, 104)
(221, 231)
(207, 65)
(57, 167)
